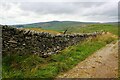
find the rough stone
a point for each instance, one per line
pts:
(42, 43)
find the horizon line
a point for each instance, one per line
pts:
(61, 21)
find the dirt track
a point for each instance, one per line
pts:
(101, 64)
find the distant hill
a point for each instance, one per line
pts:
(54, 25)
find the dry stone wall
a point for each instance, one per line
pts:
(19, 41)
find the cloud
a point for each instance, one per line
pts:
(58, 8)
(59, 0)
(30, 12)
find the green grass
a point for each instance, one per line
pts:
(30, 66)
(113, 28)
(53, 25)
(76, 27)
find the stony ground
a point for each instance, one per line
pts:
(102, 64)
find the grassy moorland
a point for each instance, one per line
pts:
(53, 25)
(113, 28)
(83, 28)
(30, 66)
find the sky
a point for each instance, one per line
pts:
(32, 11)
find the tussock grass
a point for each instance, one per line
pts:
(30, 66)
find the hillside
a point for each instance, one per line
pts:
(54, 25)
(25, 52)
(71, 26)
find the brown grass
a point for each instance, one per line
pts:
(42, 30)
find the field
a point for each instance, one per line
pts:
(74, 27)
(30, 66)
(113, 28)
